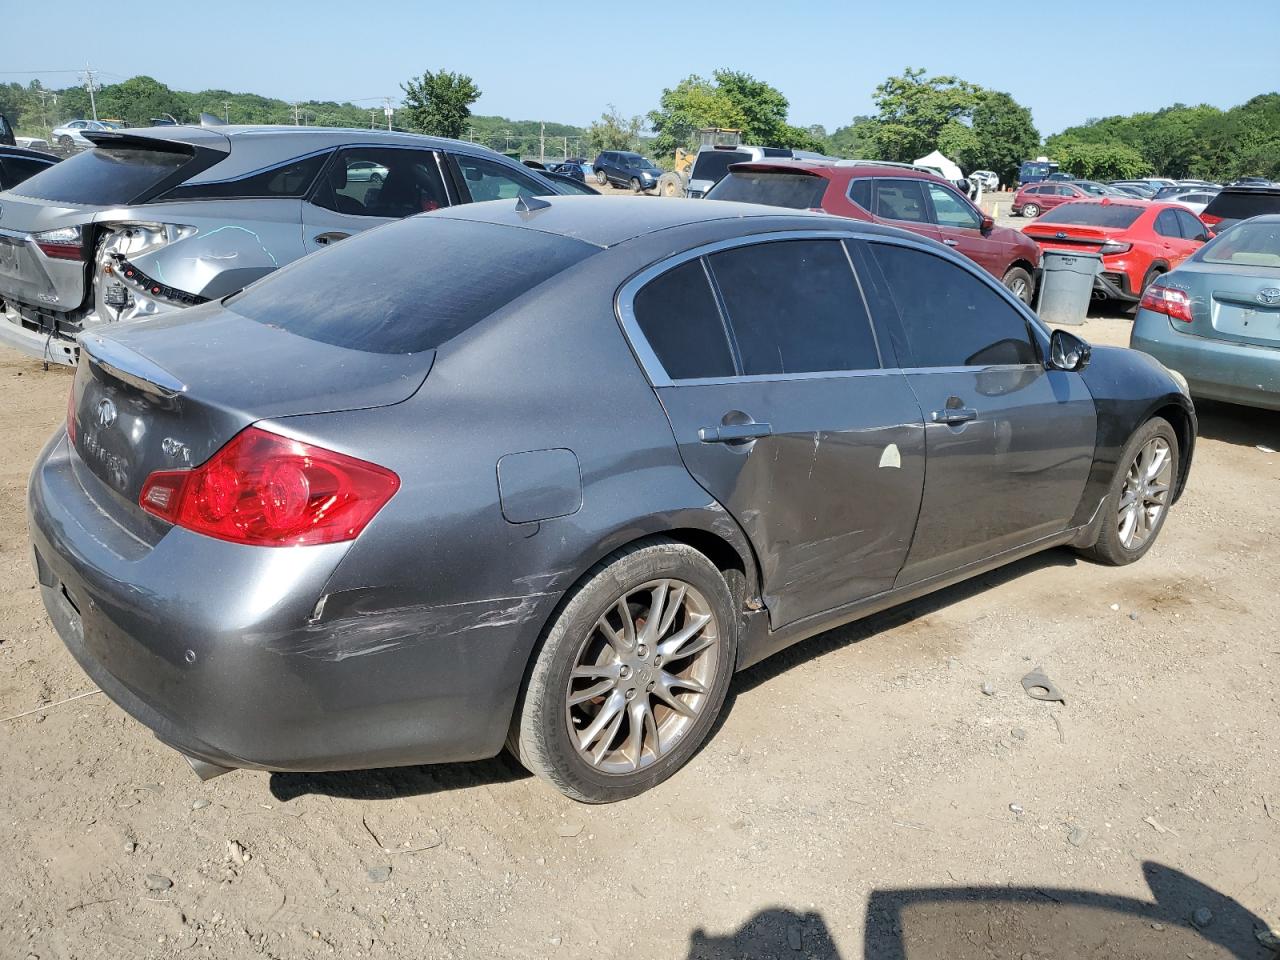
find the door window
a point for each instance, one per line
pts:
(794, 307)
(1192, 227)
(287, 180)
(678, 316)
(900, 200)
(1167, 225)
(951, 211)
(14, 170)
(381, 182)
(495, 181)
(949, 316)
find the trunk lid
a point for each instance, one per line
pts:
(1234, 302)
(168, 393)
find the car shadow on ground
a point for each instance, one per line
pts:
(391, 783)
(1184, 918)
(1231, 423)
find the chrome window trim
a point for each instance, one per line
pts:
(624, 308)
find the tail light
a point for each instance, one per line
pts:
(1115, 246)
(71, 413)
(267, 490)
(1172, 303)
(1210, 219)
(62, 244)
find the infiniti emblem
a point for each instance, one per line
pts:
(1269, 296)
(106, 413)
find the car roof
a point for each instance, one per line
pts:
(835, 169)
(609, 222)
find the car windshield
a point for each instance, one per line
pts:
(795, 190)
(105, 176)
(1252, 243)
(1086, 214)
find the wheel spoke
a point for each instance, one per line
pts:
(664, 693)
(609, 710)
(590, 671)
(590, 693)
(1128, 519)
(673, 607)
(637, 731)
(1156, 463)
(657, 610)
(691, 684)
(628, 625)
(610, 735)
(1128, 500)
(674, 645)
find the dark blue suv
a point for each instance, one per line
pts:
(625, 169)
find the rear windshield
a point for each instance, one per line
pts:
(795, 190)
(714, 164)
(105, 176)
(1093, 214)
(1252, 244)
(1233, 205)
(409, 286)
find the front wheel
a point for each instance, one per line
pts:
(631, 675)
(636, 185)
(65, 142)
(1018, 282)
(1141, 492)
(1031, 210)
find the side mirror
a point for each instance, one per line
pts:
(988, 224)
(1068, 352)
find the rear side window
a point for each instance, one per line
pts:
(106, 175)
(950, 317)
(14, 170)
(292, 179)
(860, 193)
(1094, 214)
(1192, 227)
(901, 200)
(1167, 224)
(795, 190)
(678, 316)
(409, 286)
(795, 307)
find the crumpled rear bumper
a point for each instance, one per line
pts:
(32, 343)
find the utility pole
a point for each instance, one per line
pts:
(386, 108)
(91, 87)
(226, 110)
(372, 115)
(295, 114)
(566, 148)
(542, 143)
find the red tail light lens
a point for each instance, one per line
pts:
(1170, 302)
(65, 243)
(266, 490)
(1210, 219)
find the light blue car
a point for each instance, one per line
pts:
(1216, 318)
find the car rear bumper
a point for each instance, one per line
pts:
(33, 343)
(1215, 369)
(1115, 285)
(227, 654)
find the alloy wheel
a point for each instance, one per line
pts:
(1145, 494)
(1031, 211)
(642, 676)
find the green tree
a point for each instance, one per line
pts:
(1005, 135)
(139, 99)
(613, 132)
(440, 103)
(1102, 161)
(856, 141)
(915, 109)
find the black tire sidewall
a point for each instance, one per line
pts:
(1109, 548)
(542, 738)
(1019, 272)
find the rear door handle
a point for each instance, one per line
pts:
(331, 237)
(954, 416)
(734, 432)
(951, 243)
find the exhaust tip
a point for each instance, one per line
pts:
(204, 769)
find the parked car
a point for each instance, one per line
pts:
(568, 168)
(625, 169)
(163, 219)
(988, 179)
(33, 143)
(1216, 318)
(1200, 183)
(1251, 182)
(7, 138)
(1233, 204)
(1195, 201)
(1179, 191)
(1134, 193)
(1145, 190)
(711, 164)
(569, 185)
(301, 530)
(911, 199)
(72, 133)
(17, 164)
(1036, 199)
(1139, 240)
(1060, 175)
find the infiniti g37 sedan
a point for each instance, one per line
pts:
(157, 220)
(545, 473)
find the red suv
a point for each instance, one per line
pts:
(898, 196)
(1138, 239)
(1034, 199)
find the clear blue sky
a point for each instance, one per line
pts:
(542, 61)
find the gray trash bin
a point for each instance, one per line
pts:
(1066, 286)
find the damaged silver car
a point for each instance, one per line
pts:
(156, 220)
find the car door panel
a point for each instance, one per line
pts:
(960, 227)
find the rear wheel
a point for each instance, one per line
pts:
(1141, 492)
(1150, 277)
(601, 178)
(1031, 210)
(631, 676)
(65, 142)
(1018, 282)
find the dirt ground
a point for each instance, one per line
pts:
(862, 797)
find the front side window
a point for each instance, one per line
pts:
(951, 211)
(487, 180)
(901, 200)
(949, 316)
(794, 307)
(381, 182)
(678, 316)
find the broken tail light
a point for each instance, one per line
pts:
(263, 489)
(1172, 303)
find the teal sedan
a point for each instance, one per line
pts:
(1216, 319)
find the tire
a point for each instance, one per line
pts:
(548, 733)
(1111, 547)
(1031, 210)
(1149, 278)
(65, 142)
(1019, 283)
(670, 185)
(601, 177)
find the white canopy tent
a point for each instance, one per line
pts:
(940, 162)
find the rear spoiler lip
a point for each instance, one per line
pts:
(129, 366)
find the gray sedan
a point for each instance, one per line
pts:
(1216, 319)
(545, 473)
(162, 219)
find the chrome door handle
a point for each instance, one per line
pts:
(954, 416)
(331, 237)
(734, 432)
(951, 243)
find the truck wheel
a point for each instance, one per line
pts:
(670, 185)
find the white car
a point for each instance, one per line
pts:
(988, 179)
(71, 133)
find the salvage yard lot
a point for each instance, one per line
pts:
(863, 796)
